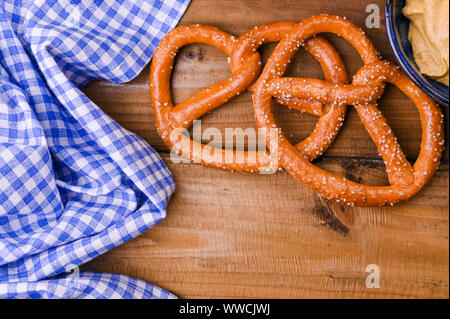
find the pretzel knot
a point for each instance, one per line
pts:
(326, 99)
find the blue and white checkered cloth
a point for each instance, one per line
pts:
(73, 183)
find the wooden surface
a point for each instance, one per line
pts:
(231, 235)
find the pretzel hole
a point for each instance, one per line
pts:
(230, 126)
(403, 118)
(296, 125)
(197, 66)
(348, 53)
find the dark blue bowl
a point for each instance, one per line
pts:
(397, 27)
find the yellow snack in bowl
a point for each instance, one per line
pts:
(428, 34)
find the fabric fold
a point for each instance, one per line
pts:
(73, 182)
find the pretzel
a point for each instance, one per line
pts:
(245, 62)
(368, 84)
(170, 120)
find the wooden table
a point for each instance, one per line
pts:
(232, 235)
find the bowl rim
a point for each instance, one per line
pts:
(399, 55)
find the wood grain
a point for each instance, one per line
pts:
(230, 235)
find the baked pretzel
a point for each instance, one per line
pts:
(368, 84)
(331, 115)
(172, 121)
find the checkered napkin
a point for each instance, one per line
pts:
(73, 183)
